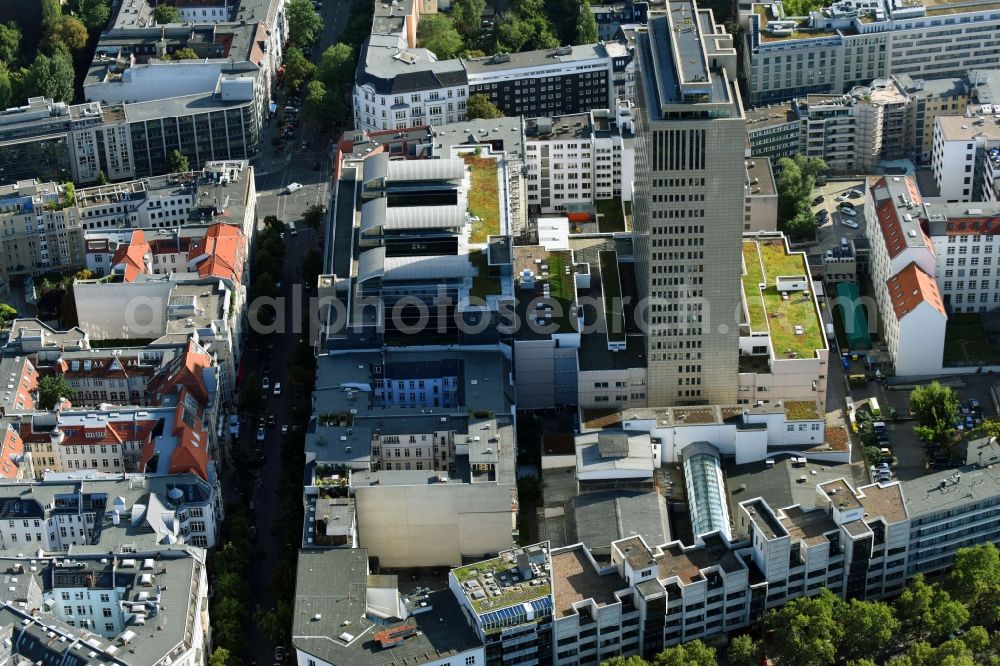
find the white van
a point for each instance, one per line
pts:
(293, 187)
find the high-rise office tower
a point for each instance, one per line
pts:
(689, 202)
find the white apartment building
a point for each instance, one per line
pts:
(966, 155)
(855, 42)
(221, 191)
(911, 311)
(571, 161)
(67, 510)
(205, 11)
(111, 599)
(397, 87)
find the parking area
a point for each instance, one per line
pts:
(912, 458)
(832, 228)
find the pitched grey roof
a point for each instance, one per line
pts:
(390, 68)
(600, 518)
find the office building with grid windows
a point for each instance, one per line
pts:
(688, 205)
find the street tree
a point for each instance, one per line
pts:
(51, 77)
(10, 42)
(313, 215)
(252, 397)
(304, 23)
(975, 581)
(437, 34)
(51, 388)
(804, 631)
(165, 14)
(66, 32)
(298, 68)
(634, 660)
(312, 266)
(743, 651)
(480, 106)
(220, 657)
(336, 67)
(586, 25)
(935, 407)
(868, 628)
(7, 313)
(692, 653)
(928, 611)
(317, 102)
(177, 162)
(467, 15)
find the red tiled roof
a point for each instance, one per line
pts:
(888, 218)
(221, 253)
(12, 446)
(911, 287)
(133, 256)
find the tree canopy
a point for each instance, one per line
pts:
(795, 183)
(935, 407)
(480, 106)
(66, 32)
(51, 77)
(7, 313)
(467, 15)
(304, 24)
(184, 54)
(298, 68)
(177, 162)
(164, 14)
(10, 42)
(928, 610)
(6, 88)
(94, 13)
(804, 631)
(975, 581)
(326, 95)
(437, 34)
(525, 27)
(586, 25)
(51, 388)
(743, 651)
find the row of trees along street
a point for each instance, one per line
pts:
(952, 622)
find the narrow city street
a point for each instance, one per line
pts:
(271, 360)
(305, 160)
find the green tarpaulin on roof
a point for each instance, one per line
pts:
(852, 314)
